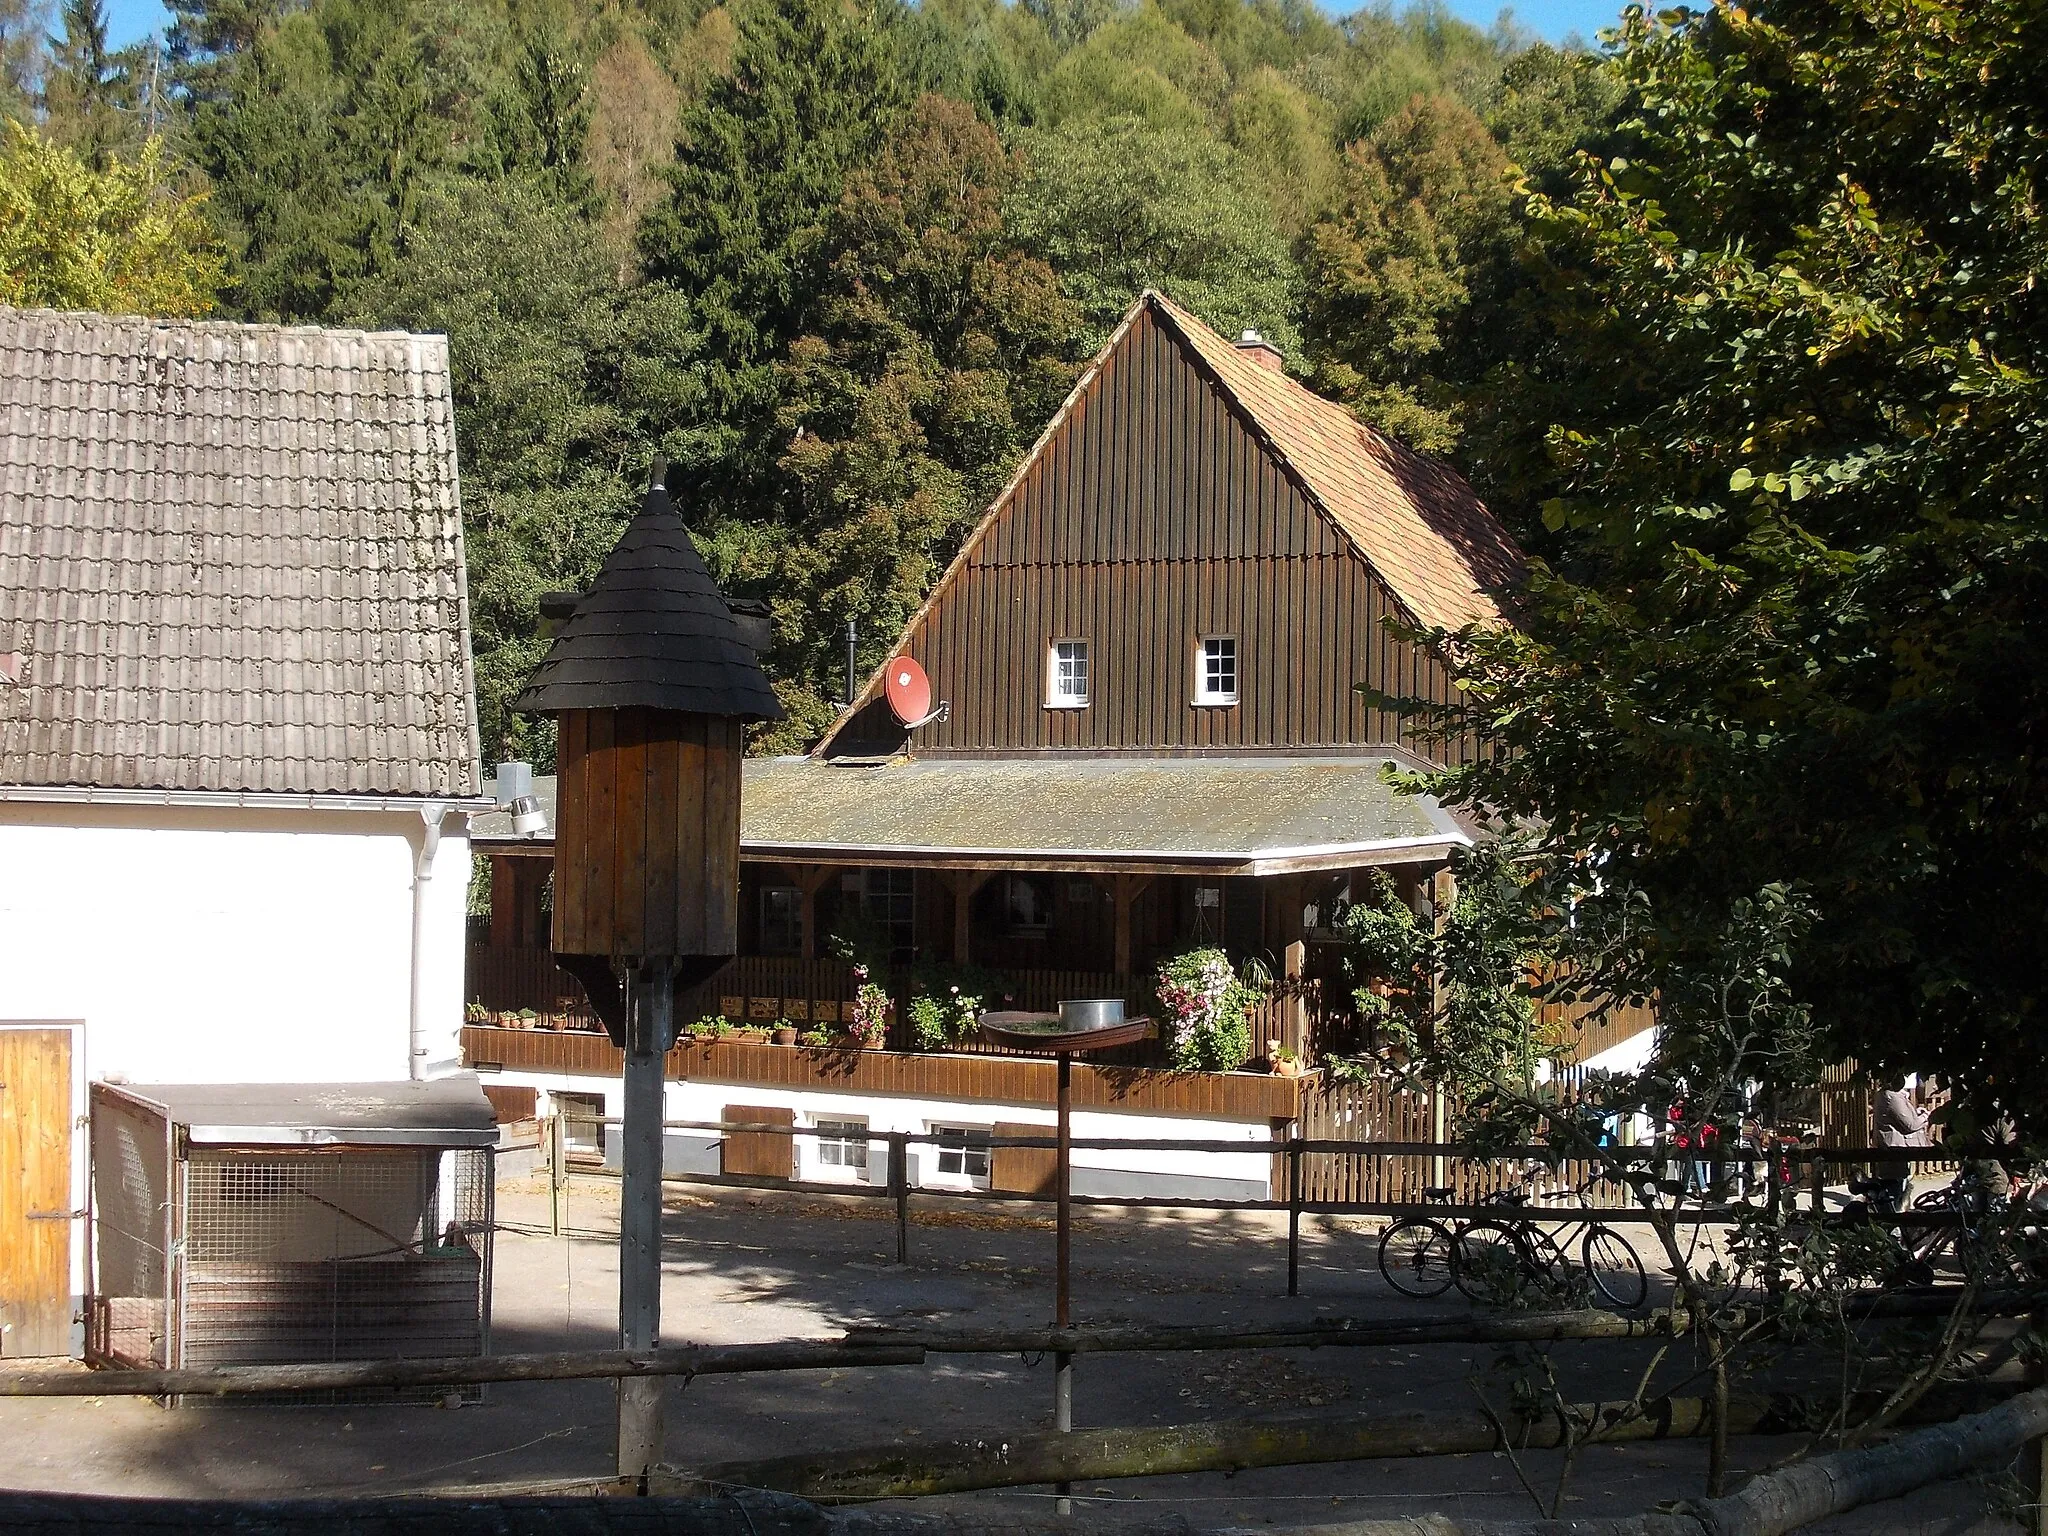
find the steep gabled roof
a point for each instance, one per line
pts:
(230, 560)
(1414, 520)
(652, 633)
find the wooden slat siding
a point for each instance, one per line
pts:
(1153, 517)
(953, 1075)
(510, 1102)
(630, 870)
(571, 739)
(664, 867)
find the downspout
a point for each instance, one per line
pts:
(431, 816)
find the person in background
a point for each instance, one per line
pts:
(1902, 1119)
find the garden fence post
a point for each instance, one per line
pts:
(899, 1186)
(557, 1171)
(1294, 1215)
(1817, 1177)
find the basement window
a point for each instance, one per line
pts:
(1216, 670)
(962, 1154)
(1066, 675)
(842, 1149)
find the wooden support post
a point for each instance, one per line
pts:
(1817, 1176)
(1294, 1215)
(899, 1186)
(650, 1028)
(1125, 893)
(809, 879)
(962, 885)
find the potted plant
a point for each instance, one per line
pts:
(1281, 1059)
(867, 1020)
(476, 1013)
(785, 1032)
(1205, 1005)
(816, 1039)
(523, 1019)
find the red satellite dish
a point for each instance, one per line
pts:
(909, 691)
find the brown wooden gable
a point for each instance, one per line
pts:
(1154, 512)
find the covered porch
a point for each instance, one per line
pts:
(1067, 875)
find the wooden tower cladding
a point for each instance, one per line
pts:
(647, 839)
(651, 683)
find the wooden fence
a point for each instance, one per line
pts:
(1381, 1111)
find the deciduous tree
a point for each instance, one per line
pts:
(122, 238)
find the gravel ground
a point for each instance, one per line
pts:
(742, 1266)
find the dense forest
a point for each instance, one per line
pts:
(838, 260)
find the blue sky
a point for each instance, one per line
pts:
(1552, 19)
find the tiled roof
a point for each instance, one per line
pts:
(1415, 520)
(652, 633)
(231, 559)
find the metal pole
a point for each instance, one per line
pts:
(1062, 1361)
(650, 1025)
(558, 1172)
(899, 1185)
(1294, 1215)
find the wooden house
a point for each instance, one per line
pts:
(1164, 654)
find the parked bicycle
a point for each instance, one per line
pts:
(1492, 1259)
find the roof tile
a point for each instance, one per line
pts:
(220, 542)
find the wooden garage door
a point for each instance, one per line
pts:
(35, 1191)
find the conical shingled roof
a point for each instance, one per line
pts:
(652, 633)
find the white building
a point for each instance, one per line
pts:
(238, 742)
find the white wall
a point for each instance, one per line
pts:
(226, 945)
(205, 945)
(1227, 1175)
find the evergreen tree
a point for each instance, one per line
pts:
(92, 94)
(22, 24)
(206, 36)
(939, 351)
(761, 163)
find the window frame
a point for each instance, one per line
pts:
(1054, 699)
(971, 1143)
(1204, 699)
(841, 1134)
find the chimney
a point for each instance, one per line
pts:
(1261, 351)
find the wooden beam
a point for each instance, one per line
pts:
(1125, 889)
(961, 885)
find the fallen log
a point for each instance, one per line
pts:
(1086, 1455)
(462, 1370)
(1090, 1455)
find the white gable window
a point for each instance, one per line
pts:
(1066, 675)
(1216, 670)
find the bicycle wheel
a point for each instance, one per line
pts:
(1615, 1271)
(1415, 1256)
(1487, 1263)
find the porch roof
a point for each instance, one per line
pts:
(1244, 815)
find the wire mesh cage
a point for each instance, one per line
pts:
(221, 1254)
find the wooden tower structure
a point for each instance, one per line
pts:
(651, 685)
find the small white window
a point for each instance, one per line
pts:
(1216, 670)
(842, 1149)
(1066, 675)
(962, 1154)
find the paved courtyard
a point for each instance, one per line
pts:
(754, 1267)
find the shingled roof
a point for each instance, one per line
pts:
(652, 633)
(230, 559)
(1414, 520)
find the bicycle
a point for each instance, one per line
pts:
(1416, 1252)
(1494, 1259)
